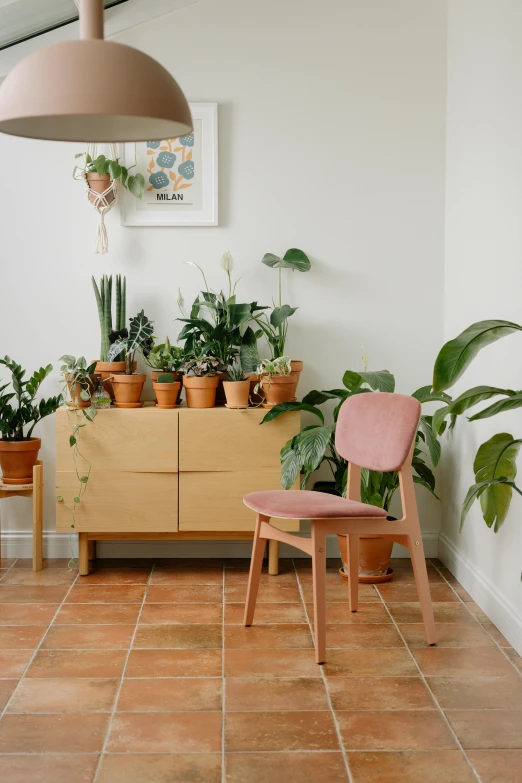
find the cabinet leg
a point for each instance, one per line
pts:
(37, 516)
(83, 553)
(273, 557)
(92, 550)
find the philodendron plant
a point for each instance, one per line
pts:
(495, 462)
(315, 444)
(275, 327)
(134, 183)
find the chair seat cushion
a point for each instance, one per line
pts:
(305, 504)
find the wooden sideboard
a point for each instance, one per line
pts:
(170, 474)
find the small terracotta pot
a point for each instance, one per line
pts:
(237, 393)
(297, 368)
(100, 185)
(17, 459)
(76, 389)
(128, 388)
(374, 555)
(201, 392)
(278, 388)
(106, 369)
(154, 377)
(167, 393)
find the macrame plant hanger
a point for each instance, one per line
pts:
(102, 202)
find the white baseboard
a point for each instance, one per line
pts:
(483, 591)
(19, 544)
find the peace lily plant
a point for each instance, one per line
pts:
(495, 461)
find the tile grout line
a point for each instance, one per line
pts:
(223, 774)
(10, 567)
(37, 649)
(325, 686)
(426, 685)
(117, 696)
(502, 649)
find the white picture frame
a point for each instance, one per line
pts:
(171, 198)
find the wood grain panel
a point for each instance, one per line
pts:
(221, 439)
(214, 501)
(138, 440)
(120, 501)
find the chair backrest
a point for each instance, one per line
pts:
(375, 430)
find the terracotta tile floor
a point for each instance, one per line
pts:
(143, 673)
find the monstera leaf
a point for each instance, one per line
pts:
(293, 259)
(456, 355)
(495, 470)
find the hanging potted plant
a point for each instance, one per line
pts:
(19, 414)
(201, 380)
(276, 381)
(128, 386)
(80, 379)
(167, 390)
(275, 326)
(103, 295)
(237, 387)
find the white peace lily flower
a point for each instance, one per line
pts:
(179, 298)
(227, 262)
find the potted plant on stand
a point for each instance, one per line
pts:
(201, 380)
(237, 387)
(80, 379)
(128, 386)
(167, 390)
(276, 381)
(19, 414)
(103, 295)
(315, 445)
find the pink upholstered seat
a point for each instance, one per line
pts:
(308, 505)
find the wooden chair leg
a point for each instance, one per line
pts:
(319, 589)
(352, 544)
(273, 557)
(423, 586)
(83, 554)
(256, 566)
(37, 516)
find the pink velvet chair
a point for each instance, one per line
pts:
(375, 431)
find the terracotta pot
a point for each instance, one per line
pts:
(201, 392)
(106, 369)
(17, 459)
(76, 389)
(154, 377)
(374, 555)
(278, 388)
(167, 393)
(100, 185)
(128, 388)
(297, 368)
(237, 393)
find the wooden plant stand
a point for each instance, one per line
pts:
(34, 490)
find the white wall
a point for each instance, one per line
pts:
(332, 122)
(483, 278)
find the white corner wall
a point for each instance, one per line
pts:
(483, 279)
(331, 138)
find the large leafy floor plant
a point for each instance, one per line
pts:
(315, 444)
(495, 462)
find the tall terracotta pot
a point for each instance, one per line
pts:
(200, 392)
(277, 388)
(374, 556)
(128, 388)
(17, 459)
(75, 390)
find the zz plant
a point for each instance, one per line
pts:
(495, 465)
(19, 411)
(315, 444)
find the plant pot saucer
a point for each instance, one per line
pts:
(23, 482)
(372, 580)
(129, 404)
(237, 407)
(166, 407)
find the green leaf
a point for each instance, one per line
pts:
(114, 169)
(271, 260)
(422, 483)
(295, 259)
(465, 401)
(76, 499)
(381, 380)
(457, 354)
(426, 394)
(495, 459)
(248, 352)
(477, 490)
(84, 479)
(499, 407)
(312, 444)
(432, 443)
(99, 165)
(59, 499)
(290, 465)
(72, 441)
(279, 314)
(284, 407)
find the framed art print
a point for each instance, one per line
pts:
(181, 176)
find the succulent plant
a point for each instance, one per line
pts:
(164, 377)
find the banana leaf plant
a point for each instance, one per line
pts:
(495, 462)
(315, 444)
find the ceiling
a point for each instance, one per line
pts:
(24, 19)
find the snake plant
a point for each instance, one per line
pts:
(103, 295)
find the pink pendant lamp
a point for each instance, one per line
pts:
(92, 90)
